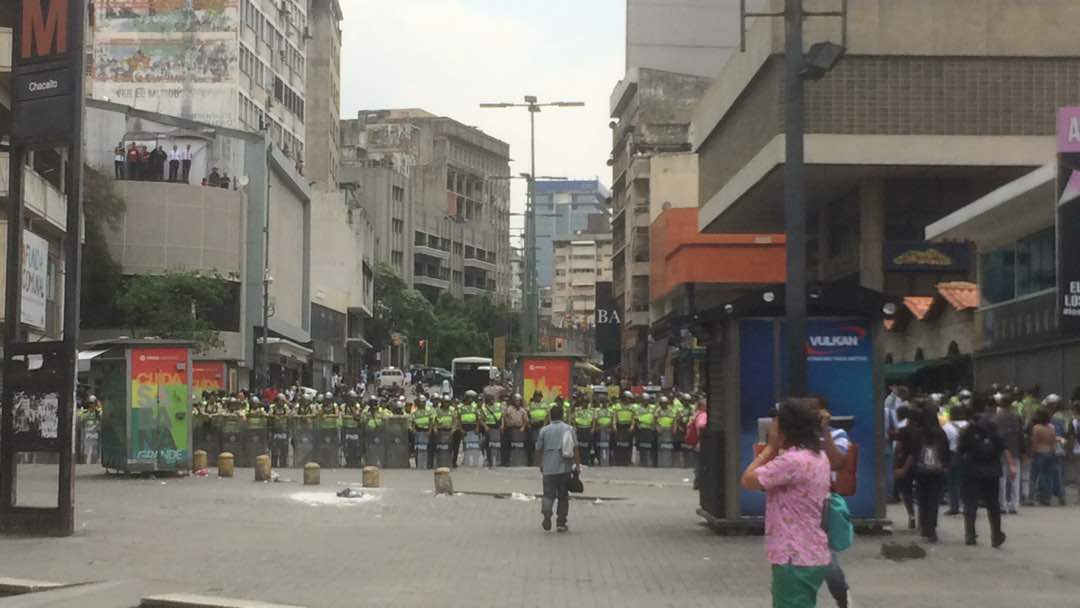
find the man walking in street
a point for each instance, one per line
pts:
(556, 467)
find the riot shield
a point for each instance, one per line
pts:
(443, 455)
(204, 437)
(279, 442)
(646, 447)
(519, 457)
(423, 454)
(350, 438)
(396, 440)
(535, 457)
(474, 456)
(623, 449)
(493, 454)
(232, 437)
(603, 448)
(303, 439)
(679, 455)
(256, 440)
(213, 438)
(329, 442)
(585, 445)
(375, 449)
(665, 449)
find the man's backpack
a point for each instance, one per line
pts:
(569, 442)
(930, 460)
(983, 449)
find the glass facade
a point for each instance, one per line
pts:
(1018, 269)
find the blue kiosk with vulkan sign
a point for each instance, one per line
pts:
(747, 377)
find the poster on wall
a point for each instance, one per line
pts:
(207, 376)
(549, 376)
(839, 368)
(158, 424)
(174, 57)
(1068, 221)
(37, 416)
(35, 277)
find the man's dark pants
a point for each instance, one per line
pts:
(186, 164)
(555, 487)
(985, 490)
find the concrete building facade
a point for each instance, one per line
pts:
(563, 208)
(450, 227)
(652, 111)
(682, 36)
(241, 64)
(580, 262)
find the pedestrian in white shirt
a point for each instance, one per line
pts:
(958, 421)
(174, 163)
(185, 161)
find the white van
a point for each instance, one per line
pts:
(390, 376)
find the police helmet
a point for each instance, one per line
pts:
(627, 395)
(664, 400)
(470, 394)
(1052, 399)
(254, 400)
(92, 399)
(328, 396)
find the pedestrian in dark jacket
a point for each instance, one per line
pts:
(982, 450)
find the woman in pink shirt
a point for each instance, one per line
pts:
(794, 472)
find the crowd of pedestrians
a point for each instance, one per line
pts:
(157, 163)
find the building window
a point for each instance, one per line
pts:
(399, 226)
(397, 258)
(1018, 269)
(397, 193)
(998, 275)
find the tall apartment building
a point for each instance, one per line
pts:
(563, 208)
(45, 202)
(322, 95)
(449, 227)
(239, 64)
(580, 263)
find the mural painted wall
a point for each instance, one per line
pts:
(177, 57)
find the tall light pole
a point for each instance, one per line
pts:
(530, 325)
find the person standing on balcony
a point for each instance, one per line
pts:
(185, 162)
(118, 160)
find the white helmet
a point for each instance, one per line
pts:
(1052, 399)
(92, 399)
(255, 400)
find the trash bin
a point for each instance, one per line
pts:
(443, 455)
(665, 449)
(519, 457)
(646, 447)
(423, 454)
(350, 436)
(603, 448)
(622, 451)
(303, 440)
(329, 442)
(396, 442)
(279, 441)
(256, 439)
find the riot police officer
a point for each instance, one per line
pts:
(538, 417)
(490, 421)
(420, 424)
(446, 423)
(584, 421)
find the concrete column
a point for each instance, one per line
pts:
(871, 233)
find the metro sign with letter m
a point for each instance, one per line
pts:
(44, 29)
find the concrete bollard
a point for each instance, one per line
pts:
(225, 464)
(443, 483)
(262, 467)
(311, 474)
(371, 477)
(198, 460)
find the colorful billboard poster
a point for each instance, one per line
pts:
(207, 376)
(160, 401)
(1068, 221)
(839, 367)
(549, 376)
(176, 57)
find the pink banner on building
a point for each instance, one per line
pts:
(1068, 129)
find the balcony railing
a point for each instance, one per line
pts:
(420, 279)
(41, 197)
(434, 252)
(478, 263)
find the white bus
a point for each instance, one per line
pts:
(470, 373)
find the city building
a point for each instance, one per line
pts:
(580, 262)
(45, 203)
(254, 231)
(239, 64)
(933, 105)
(683, 36)
(517, 270)
(322, 95)
(1019, 333)
(652, 111)
(563, 208)
(449, 227)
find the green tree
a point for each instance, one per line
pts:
(101, 278)
(398, 308)
(174, 305)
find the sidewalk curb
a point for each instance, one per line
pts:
(188, 600)
(19, 586)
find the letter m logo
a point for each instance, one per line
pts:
(44, 31)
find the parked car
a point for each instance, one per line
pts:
(390, 377)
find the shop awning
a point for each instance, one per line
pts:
(283, 347)
(85, 356)
(589, 367)
(360, 341)
(906, 370)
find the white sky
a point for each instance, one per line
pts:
(447, 56)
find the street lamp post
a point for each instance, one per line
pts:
(530, 325)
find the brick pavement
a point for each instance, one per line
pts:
(406, 547)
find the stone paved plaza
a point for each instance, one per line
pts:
(640, 545)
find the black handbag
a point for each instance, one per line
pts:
(575, 485)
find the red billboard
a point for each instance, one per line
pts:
(550, 376)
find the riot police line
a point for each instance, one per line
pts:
(429, 432)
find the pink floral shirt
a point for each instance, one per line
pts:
(796, 483)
